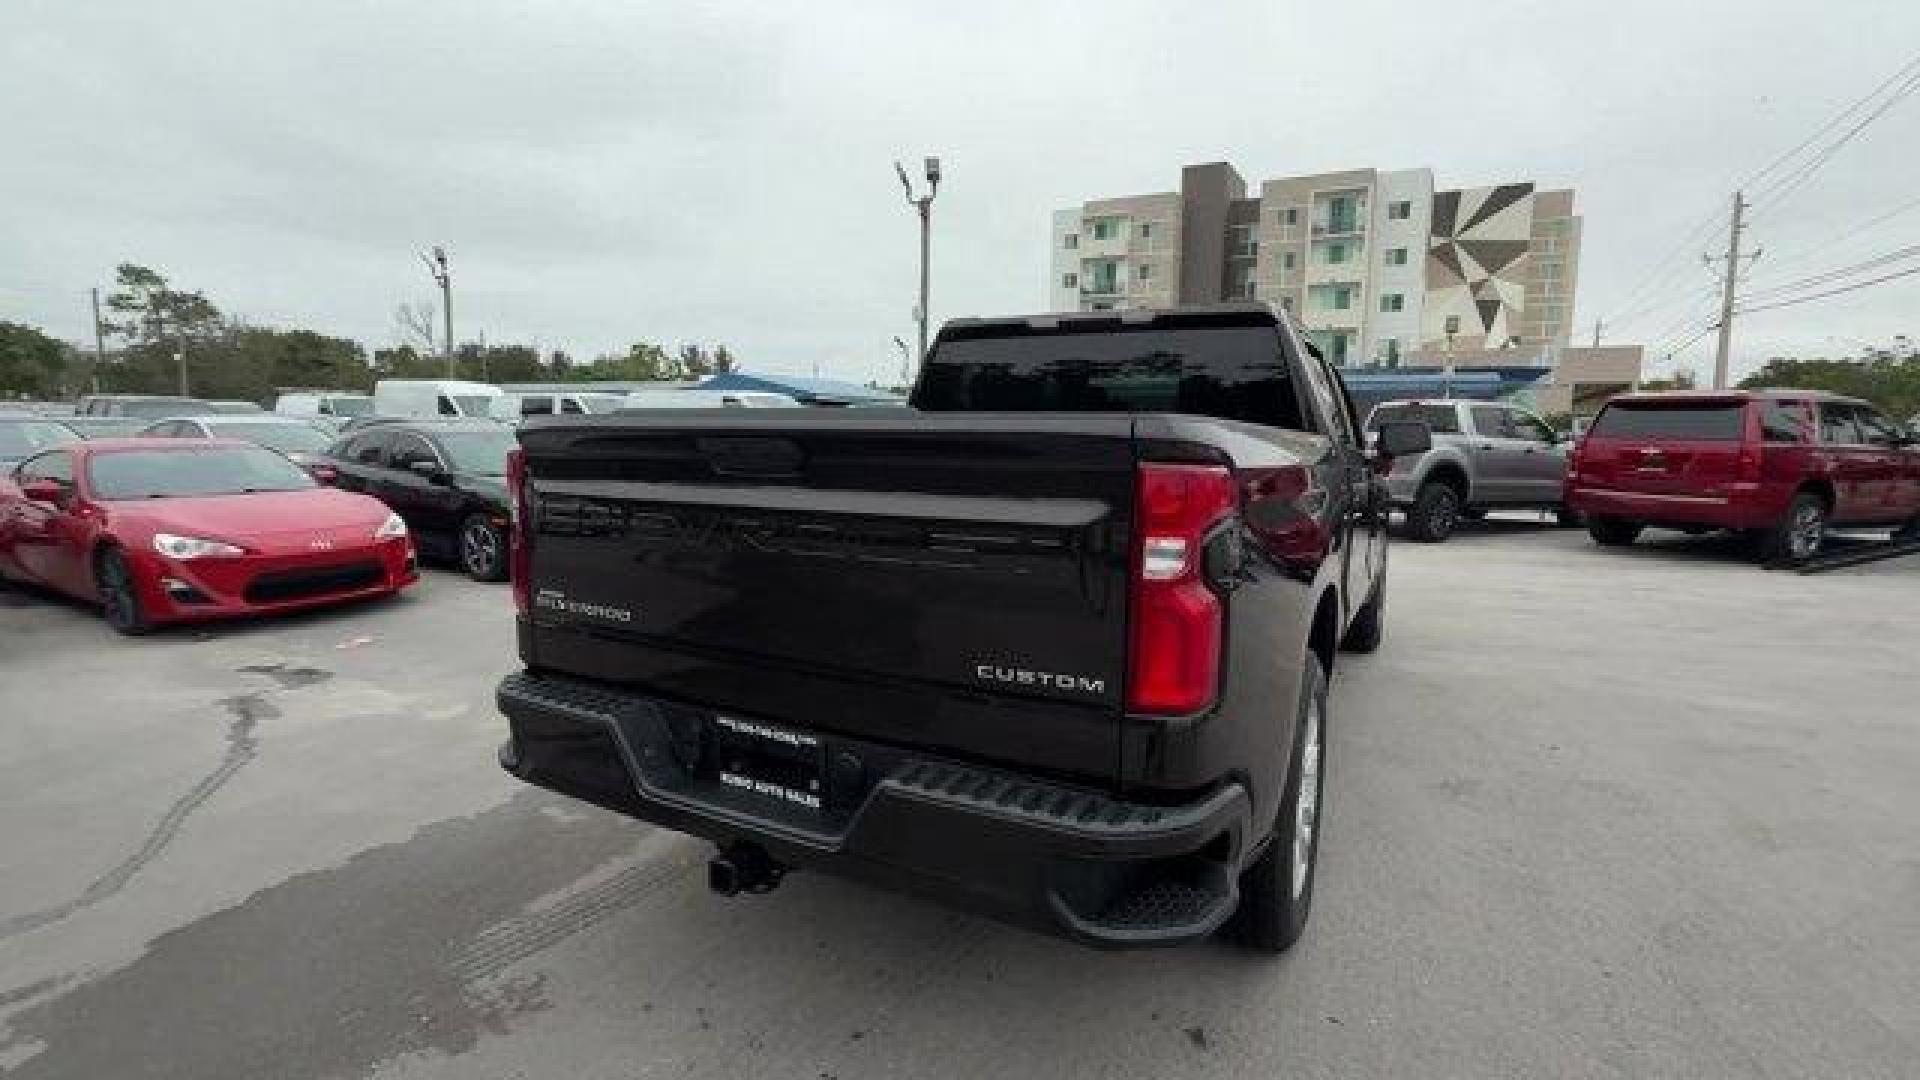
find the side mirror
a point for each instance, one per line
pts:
(44, 491)
(1402, 438)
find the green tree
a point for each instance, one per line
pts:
(694, 362)
(723, 361)
(1890, 382)
(643, 362)
(157, 321)
(32, 365)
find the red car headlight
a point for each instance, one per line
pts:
(192, 547)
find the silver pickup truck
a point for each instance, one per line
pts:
(1485, 456)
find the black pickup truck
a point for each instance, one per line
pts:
(1052, 645)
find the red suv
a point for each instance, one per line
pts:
(1780, 465)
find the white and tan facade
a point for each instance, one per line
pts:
(1377, 264)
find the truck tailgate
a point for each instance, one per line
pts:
(946, 581)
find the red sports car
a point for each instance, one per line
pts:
(160, 530)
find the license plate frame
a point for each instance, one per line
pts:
(783, 766)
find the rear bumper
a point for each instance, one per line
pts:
(1742, 506)
(1032, 852)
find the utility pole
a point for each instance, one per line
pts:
(99, 332)
(1597, 324)
(437, 266)
(1726, 295)
(180, 362)
(924, 204)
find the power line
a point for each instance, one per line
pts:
(1715, 221)
(1687, 241)
(1800, 176)
(1833, 292)
(1840, 272)
(1832, 241)
(1833, 123)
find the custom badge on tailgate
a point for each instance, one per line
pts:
(555, 600)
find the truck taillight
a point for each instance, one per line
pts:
(1174, 656)
(518, 538)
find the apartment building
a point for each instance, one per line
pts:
(1377, 265)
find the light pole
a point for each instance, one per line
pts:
(924, 204)
(437, 266)
(906, 364)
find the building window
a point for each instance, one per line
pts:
(1390, 351)
(1105, 228)
(1396, 256)
(1249, 290)
(1069, 281)
(1070, 241)
(1286, 260)
(1399, 211)
(1293, 215)
(1393, 301)
(1336, 254)
(1245, 246)
(1342, 297)
(1143, 272)
(1453, 325)
(1146, 230)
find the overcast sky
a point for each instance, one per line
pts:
(604, 172)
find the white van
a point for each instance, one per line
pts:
(308, 403)
(514, 407)
(708, 399)
(422, 398)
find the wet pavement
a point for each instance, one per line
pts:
(1591, 813)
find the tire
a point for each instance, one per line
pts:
(1800, 532)
(1275, 897)
(1613, 532)
(483, 549)
(1370, 622)
(1435, 511)
(120, 596)
(1908, 532)
(1568, 518)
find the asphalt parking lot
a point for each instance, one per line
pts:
(1591, 813)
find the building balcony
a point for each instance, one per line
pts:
(1333, 230)
(1100, 290)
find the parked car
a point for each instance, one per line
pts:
(446, 478)
(308, 404)
(144, 406)
(159, 531)
(226, 407)
(1485, 456)
(707, 399)
(25, 435)
(106, 427)
(514, 407)
(1778, 465)
(1054, 644)
(299, 440)
(425, 399)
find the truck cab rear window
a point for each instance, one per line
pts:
(1716, 422)
(1237, 373)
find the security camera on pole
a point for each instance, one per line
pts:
(437, 266)
(924, 204)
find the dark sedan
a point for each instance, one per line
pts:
(446, 478)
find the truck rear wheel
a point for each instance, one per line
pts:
(1276, 890)
(1435, 511)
